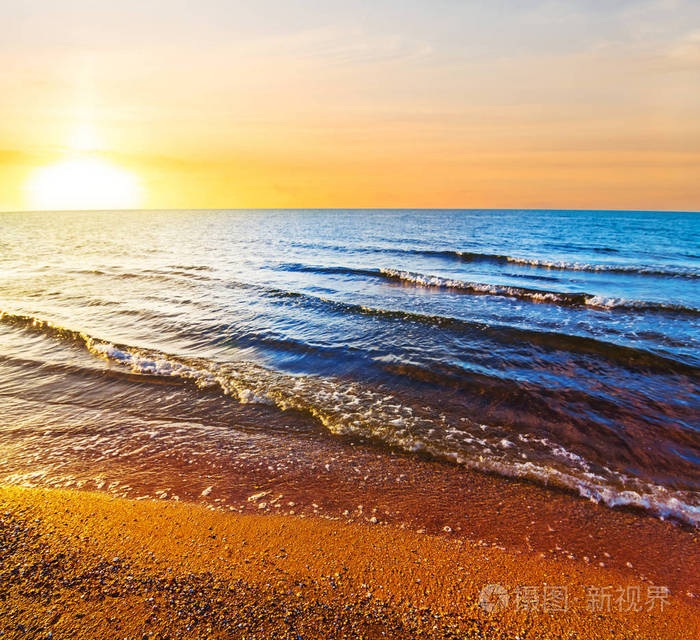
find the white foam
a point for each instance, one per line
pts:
(348, 408)
(573, 298)
(604, 267)
(475, 287)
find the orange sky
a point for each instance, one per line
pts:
(382, 104)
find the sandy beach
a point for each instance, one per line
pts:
(356, 320)
(89, 565)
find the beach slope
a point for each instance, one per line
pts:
(87, 565)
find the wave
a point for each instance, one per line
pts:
(543, 263)
(534, 295)
(508, 335)
(581, 299)
(174, 272)
(564, 265)
(354, 409)
(340, 271)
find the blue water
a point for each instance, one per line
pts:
(559, 346)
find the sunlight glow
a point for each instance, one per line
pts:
(84, 138)
(80, 183)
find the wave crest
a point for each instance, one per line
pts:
(350, 408)
(566, 265)
(533, 295)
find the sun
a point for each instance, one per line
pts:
(82, 182)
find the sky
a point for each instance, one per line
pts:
(382, 103)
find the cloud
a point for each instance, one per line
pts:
(686, 51)
(332, 45)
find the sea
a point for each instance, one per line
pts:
(560, 348)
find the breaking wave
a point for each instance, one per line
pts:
(534, 295)
(350, 408)
(579, 299)
(564, 265)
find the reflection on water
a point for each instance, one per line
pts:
(556, 346)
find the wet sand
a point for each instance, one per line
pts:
(289, 474)
(85, 564)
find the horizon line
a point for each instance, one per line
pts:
(385, 209)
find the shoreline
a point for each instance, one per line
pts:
(133, 567)
(357, 483)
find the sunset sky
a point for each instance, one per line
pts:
(184, 104)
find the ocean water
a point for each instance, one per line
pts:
(557, 346)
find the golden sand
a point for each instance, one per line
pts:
(87, 565)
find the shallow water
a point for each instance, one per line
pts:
(558, 346)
